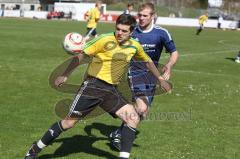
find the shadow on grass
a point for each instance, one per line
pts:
(230, 58)
(83, 143)
(105, 130)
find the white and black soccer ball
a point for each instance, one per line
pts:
(73, 43)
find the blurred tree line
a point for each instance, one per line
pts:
(172, 3)
(185, 8)
(197, 4)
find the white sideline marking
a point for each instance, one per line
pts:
(227, 44)
(216, 52)
(205, 73)
(210, 52)
(204, 53)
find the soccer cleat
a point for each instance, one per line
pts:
(237, 60)
(115, 138)
(32, 152)
(114, 134)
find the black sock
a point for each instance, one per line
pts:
(119, 130)
(198, 31)
(128, 136)
(53, 132)
(34, 149)
(142, 117)
(121, 127)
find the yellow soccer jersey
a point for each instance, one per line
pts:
(93, 15)
(202, 19)
(110, 60)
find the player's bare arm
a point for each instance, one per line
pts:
(168, 67)
(75, 62)
(97, 19)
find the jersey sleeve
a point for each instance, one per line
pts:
(168, 42)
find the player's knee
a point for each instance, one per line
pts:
(133, 119)
(129, 115)
(68, 123)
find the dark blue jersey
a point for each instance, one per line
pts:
(153, 41)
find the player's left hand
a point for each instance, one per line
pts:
(165, 86)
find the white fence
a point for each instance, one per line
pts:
(78, 9)
(35, 14)
(227, 24)
(11, 13)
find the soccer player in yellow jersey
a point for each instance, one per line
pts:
(110, 55)
(201, 20)
(93, 16)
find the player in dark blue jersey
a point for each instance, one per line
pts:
(153, 39)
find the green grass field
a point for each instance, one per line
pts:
(199, 120)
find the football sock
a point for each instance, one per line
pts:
(40, 144)
(198, 31)
(142, 117)
(121, 127)
(53, 132)
(119, 130)
(34, 149)
(128, 136)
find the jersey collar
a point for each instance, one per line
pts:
(146, 31)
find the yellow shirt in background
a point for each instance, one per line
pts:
(202, 19)
(110, 60)
(93, 15)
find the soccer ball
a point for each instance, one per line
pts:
(73, 43)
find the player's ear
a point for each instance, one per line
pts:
(152, 16)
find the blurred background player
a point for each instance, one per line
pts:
(129, 8)
(220, 21)
(238, 58)
(201, 20)
(141, 81)
(93, 16)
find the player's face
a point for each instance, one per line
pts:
(122, 33)
(145, 17)
(130, 8)
(99, 5)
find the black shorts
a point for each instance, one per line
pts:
(201, 26)
(93, 93)
(93, 33)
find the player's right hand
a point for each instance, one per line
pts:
(60, 80)
(165, 86)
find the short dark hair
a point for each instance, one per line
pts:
(127, 19)
(130, 4)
